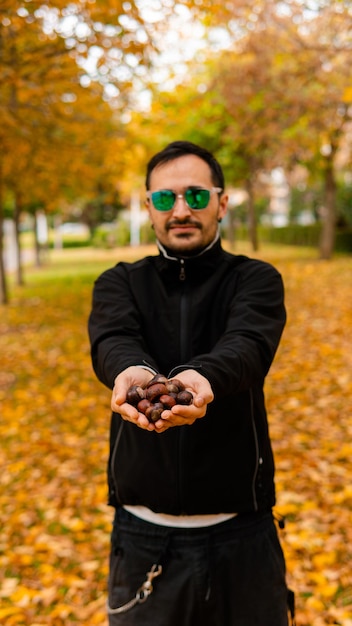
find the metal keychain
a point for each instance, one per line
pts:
(142, 593)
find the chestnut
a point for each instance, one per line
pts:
(167, 401)
(143, 405)
(184, 397)
(158, 378)
(155, 391)
(134, 394)
(153, 412)
(174, 385)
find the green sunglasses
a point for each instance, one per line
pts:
(195, 197)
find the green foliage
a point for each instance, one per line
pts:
(293, 235)
(64, 240)
(147, 233)
(105, 237)
(344, 203)
(344, 240)
(297, 235)
(109, 236)
(72, 243)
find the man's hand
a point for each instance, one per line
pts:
(127, 378)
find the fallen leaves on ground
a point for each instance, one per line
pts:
(309, 393)
(55, 525)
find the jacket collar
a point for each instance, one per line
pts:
(190, 267)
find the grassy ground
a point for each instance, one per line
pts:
(55, 525)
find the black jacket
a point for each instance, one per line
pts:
(222, 315)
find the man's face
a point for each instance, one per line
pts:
(182, 229)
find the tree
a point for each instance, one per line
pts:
(247, 83)
(325, 52)
(300, 71)
(55, 116)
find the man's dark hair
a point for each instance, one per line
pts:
(178, 149)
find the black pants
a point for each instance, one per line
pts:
(231, 574)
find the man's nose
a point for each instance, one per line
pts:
(181, 208)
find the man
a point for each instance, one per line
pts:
(194, 542)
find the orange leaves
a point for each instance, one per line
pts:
(309, 403)
(55, 532)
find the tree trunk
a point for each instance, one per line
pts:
(37, 245)
(252, 220)
(328, 233)
(17, 214)
(3, 283)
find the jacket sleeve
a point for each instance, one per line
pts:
(115, 328)
(243, 354)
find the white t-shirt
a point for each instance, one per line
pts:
(178, 521)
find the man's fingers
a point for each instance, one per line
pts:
(199, 401)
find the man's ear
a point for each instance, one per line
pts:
(147, 205)
(223, 206)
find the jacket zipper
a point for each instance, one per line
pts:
(183, 358)
(182, 275)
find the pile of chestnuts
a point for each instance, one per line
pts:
(159, 394)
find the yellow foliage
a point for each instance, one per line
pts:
(347, 95)
(324, 559)
(314, 603)
(10, 610)
(328, 591)
(55, 537)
